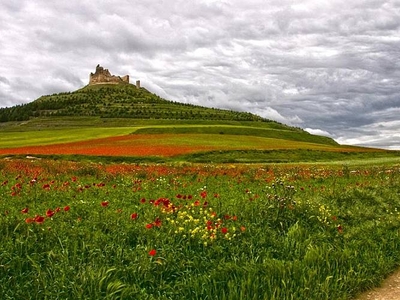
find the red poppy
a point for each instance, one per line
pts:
(67, 208)
(157, 222)
(29, 220)
(57, 209)
(149, 226)
(234, 218)
(134, 216)
(143, 200)
(196, 203)
(340, 229)
(242, 228)
(104, 203)
(39, 219)
(25, 210)
(46, 186)
(224, 230)
(152, 252)
(50, 213)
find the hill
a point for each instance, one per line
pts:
(117, 101)
(130, 123)
(121, 105)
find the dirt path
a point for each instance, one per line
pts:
(389, 290)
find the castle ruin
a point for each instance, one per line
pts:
(103, 76)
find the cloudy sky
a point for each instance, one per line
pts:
(331, 67)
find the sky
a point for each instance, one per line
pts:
(329, 67)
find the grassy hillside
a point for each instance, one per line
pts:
(125, 106)
(117, 101)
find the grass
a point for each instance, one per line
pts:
(48, 137)
(129, 231)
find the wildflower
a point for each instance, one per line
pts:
(50, 213)
(242, 228)
(67, 208)
(152, 252)
(134, 216)
(196, 203)
(39, 219)
(29, 220)
(149, 226)
(157, 222)
(104, 203)
(57, 209)
(224, 230)
(143, 200)
(340, 228)
(25, 210)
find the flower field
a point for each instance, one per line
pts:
(106, 231)
(164, 145)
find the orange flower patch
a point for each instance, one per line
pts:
(128, 145)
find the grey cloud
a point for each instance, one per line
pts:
(311, 64)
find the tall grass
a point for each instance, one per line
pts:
(195, 232)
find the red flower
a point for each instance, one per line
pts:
(39, 219)
(67, 208)
(104, 203)
(46, 186)
(242, 228)
(224, 230)
(50, 213)
(134, 216)
(143, 200)
(152, 252)
(57, 209)
(196, 203)
(29, 220)
(157, 222)
(234, 218)
(149, 226)
(25, 210)
(340, 229)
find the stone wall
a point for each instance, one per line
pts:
(102, 76)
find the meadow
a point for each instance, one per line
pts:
(85, 230)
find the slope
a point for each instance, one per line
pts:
(123, 105)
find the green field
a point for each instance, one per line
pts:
(206, 204)
(75, 230)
